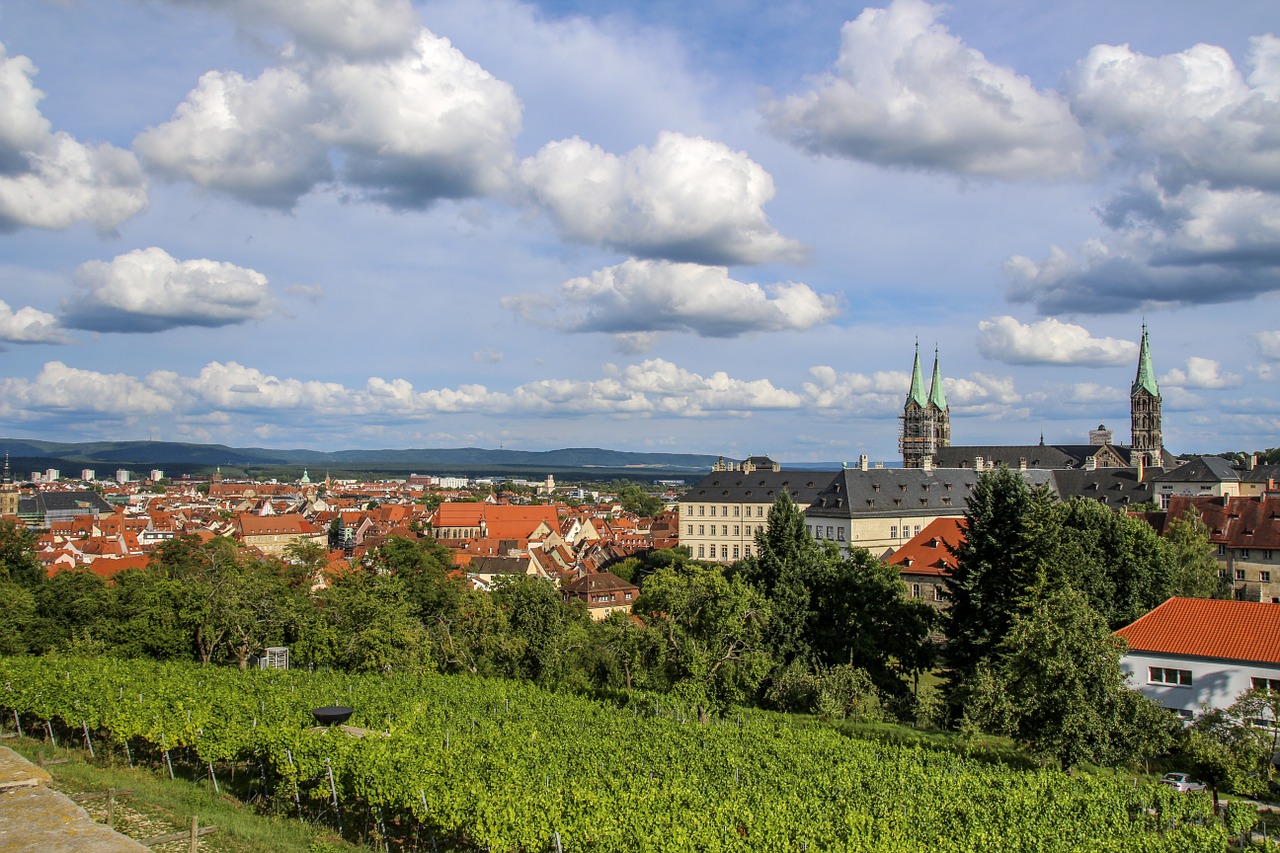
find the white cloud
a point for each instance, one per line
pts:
(1191, 114)
(60, 390)
(422, 125)
(1196, 246)
(637, 298)
(684, 199)
(249, 138)
(880, 393)
(49, 179)
(147, 290)
(1268, 344)
(30, 326)
(905, 92)
(352, 28)
(1201, 373)
(1050, 341)
(1199, 221)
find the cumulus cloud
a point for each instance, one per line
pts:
(49, 179)
(905, 92)
(62, 390)
(880, 393)
(249, 138)
(1190, 115)
(351, 28)
(1200, 373)
(685, 199)
(30, 326)
(408, 129)
(1050, 341)
(230, 392)
(637, 298)
(1268, 344)
(1199, 221)
(147, 290)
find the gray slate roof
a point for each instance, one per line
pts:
(1203, 469)
(1117, 488)
(761, 486)
(1044, 456)
(901, 491)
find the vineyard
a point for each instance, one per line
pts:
(448, 763)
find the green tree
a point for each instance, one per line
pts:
(711, 630)
(998, 561)
(18, 563)
(424, 567)
(17, 617)
(367, 624)
(1057, 686)
(786, 561)
(73, 607)
(635, 499)
(1228, 752)
(539, 622)
(1196, 573)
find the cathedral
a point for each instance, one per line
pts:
(924, 435)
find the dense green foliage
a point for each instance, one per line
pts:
(506, 766)
(1039, 586)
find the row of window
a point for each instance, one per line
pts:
(906, 532)
(708, 552)
(1165, 675)
(1243, 553)
(937, 591)
(1272, 684)
(836, 533)
(724, 511)
(1263, 576)
(744, 530)
(607, 597)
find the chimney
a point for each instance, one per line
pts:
(1251, 462)
(1142, 465)
(977, 463)
(926, 463)
(862, 462)
(1022, 463)
(1091, 463)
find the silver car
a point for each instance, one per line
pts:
(1181, 782)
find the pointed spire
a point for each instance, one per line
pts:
(8, 477)
(1146, 378)
(936, 395)
(916, 393)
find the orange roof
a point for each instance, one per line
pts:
(1209, 628)
(927, 553)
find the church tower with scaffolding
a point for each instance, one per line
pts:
(925, 423)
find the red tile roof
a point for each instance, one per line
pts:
(1209, 628)
(928, 552)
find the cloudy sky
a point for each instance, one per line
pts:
(717, 227)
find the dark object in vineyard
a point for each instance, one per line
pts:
(332, 715)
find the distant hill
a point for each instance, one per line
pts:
(178, 458)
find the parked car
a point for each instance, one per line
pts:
(1181, 782)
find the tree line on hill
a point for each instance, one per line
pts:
(1026, 646)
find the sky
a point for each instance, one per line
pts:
(721, 227)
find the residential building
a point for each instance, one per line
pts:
(604, 593)
(1194, 653)
(1245, 533)
(881, 509)
(1203, 477)
(271, 534)
(927, 559)
(719, 516)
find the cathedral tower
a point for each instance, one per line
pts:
(926, 420)
(1144, 404)
(8, 491)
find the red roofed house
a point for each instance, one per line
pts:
(603, 593)
(271, 533)
(1193, 652)
(926, 558)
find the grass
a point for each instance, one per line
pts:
(158, 806)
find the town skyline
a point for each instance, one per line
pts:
(354, 224)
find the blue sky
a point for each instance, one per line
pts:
(719, 229)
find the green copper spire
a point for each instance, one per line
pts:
(936, 395)
(1146, 378)
(917, 383)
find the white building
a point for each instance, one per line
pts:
(1193, 653)
(88, 475)
(156, 475)
(122, 476)
(52, 475)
